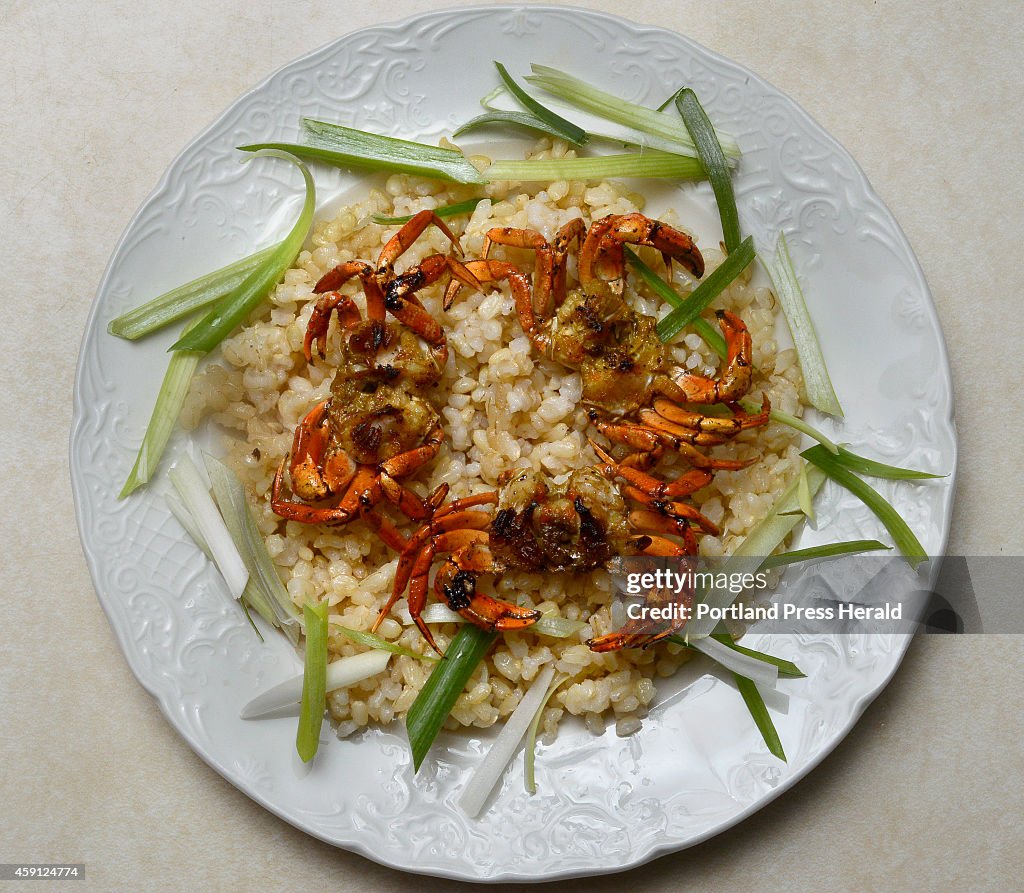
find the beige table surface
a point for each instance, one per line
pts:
(95, 101)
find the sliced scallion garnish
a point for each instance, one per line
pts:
(830, 550)
(787, 669)
(713, 285)
(341, 673)
(370, 640)
(901, 533)
(181, 301)
(565, 129)
(200, 505)
(763, 672)
(231, 311)
(229, 492)
(169, 401)
(490, 770)
(612, 108)
(347, 147)
(764, 539)
(803, 493)
(759, 712)
(530, 757)
(466, 207)
(880, 470)
(669, 295)
(648, 164)
(500, 116)
(812, 363)
(314, 682)
(443, 687)
(709, 150)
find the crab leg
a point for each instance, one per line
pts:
(456, 583)
(336, 278)
(653, 442)
(602, 260)
(684, 485)
(401, 241)
(320, 320)
(666, 511)
(734, 381)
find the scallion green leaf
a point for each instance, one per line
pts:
(181, 301)
(648, 164)
(566, 129)
(709, 150)
(668, 294)
(612, 108)
(169, 401)
(901, 533)
(232, 310)
(314, 682)
(371, 640)
(466, 207)
(347, 147)
(787, 668)
(500, 116)
(759, 712)
(880, 470)
(812, 363)
(712, 286)
(812, 553)
(442, 689)
(803, 492)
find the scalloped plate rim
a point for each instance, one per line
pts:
(120, 633)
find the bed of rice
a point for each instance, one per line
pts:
(502, 406)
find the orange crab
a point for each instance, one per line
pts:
(376, 428)
(636, 392)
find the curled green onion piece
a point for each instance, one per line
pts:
(231, 311)
(713, 285)
(500, 116)
(374, 641)
(812, 363)
(648, 164)
(831, 550)
(466, 207)
(314, 682)
(709, 150)
(565, 129)
(181, 301)
(787, 668)
(169, 401)
(443, 687)
(880, 470)
(901, 533)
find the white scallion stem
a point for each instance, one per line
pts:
(197, 500)
(764, 674)
(340, 674)
(490, 770)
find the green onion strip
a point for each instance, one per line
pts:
(565, 129)
(712, 286)
(709, 150)
(314, 682)
(901, 533)
(181, 301)
(443, 687)
(230, 312)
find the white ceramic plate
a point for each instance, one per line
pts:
(605, 803)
